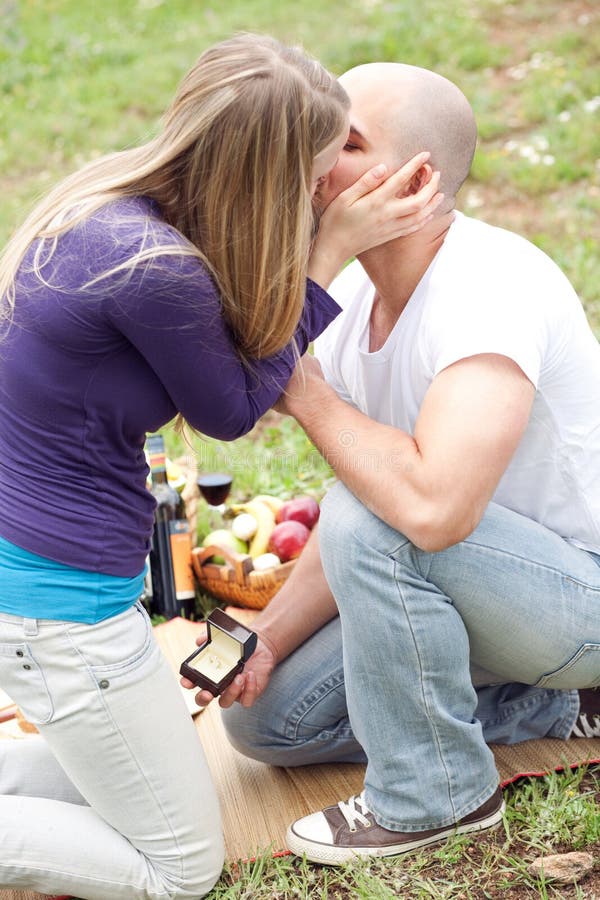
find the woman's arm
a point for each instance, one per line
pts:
(170, 311)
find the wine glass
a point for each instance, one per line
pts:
(215, 488)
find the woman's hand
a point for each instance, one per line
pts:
(246, 686)
(372, 211)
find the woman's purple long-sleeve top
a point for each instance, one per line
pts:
(87, 370)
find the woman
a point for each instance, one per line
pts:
(165, 279)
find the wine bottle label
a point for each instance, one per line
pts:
(157, 457)
(158, 462)
(181, 555)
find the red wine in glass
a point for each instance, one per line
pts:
(215, 487)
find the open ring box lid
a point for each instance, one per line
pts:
(218, 660)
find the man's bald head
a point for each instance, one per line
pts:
(417, 110)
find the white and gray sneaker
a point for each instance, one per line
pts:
(339, 833)
(587, 723)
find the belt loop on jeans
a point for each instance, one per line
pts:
(30, 627)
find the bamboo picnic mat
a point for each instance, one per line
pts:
(259, 801)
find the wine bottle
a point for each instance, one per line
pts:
(173, 592)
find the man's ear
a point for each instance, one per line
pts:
(421, 177)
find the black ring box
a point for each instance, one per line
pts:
(228, 646)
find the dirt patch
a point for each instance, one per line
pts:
(514, 27)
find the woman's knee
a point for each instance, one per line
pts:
(201, 869)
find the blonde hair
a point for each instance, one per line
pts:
(231, 171)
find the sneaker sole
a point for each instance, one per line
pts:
(328, 855)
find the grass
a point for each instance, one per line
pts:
(78, 79)
(543, 816)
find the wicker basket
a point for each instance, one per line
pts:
(236, 581)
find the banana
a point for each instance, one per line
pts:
(265, 517)
(274, 503)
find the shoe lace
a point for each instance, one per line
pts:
(585, 728)
(352, 815)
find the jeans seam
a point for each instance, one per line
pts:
(423, 692)
(448, 822)
(128, 665)
(585, 648)
(308, 704)
(532, 563)
(522, 705)
(91, 878)
(561, 729)
(565, 725)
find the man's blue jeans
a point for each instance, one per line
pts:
(514, 609)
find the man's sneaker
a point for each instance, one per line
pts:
(587, 723)
(340, 833)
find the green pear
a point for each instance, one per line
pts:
(222, 537)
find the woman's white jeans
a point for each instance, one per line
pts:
(115, 799)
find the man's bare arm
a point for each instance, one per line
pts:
(434, 486)
(302, 605)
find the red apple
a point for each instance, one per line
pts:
(300, 509)
(288, 539)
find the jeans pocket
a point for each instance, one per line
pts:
(23, 680)
(581, 671)
(122, 650)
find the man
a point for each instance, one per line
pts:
(461, 412)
